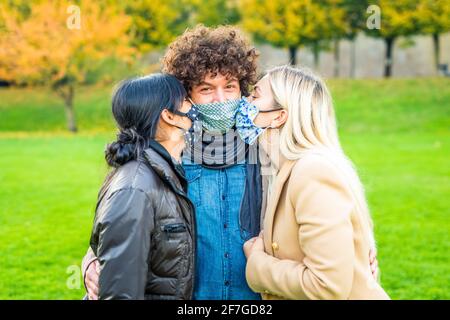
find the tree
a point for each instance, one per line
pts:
(213, 13)
(58, 44)
(355, 16)
(329, 29)
(398, 18)
(434, 19)
(156, 23)
(293, 23)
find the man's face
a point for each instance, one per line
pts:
(216, 89)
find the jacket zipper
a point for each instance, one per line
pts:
(194, 236)
(174, 228)
(193, 227)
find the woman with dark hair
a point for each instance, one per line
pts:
(143, 233)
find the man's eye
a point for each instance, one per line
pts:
(231, 86)
(205, 89)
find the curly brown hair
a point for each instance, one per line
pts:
(204, 50)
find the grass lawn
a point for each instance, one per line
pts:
(396, 131)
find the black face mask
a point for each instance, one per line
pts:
(192, 134)
(192, 114)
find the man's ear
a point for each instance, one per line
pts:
(168, 117)
(280, 119)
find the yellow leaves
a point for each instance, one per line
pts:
(293, 23)
(155, 23)
(265, 19)
(397, 18)
(434, 16)
(45, 48)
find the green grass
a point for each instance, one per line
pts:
(47, 197)
(39, 109)
(396, 131)
(407, 182)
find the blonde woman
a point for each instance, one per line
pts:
(317, 227)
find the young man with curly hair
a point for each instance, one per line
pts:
(217, 66)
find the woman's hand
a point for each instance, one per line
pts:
(91, 280)
(254, 244)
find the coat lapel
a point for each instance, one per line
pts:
(272, 204)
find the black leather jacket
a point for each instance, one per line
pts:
(144, 231)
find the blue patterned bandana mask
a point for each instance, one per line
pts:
(218, 117)
(245, 125)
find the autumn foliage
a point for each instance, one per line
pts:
(58, 43)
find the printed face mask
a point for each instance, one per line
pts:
(218, 117)
(191, 135)
(245, 125)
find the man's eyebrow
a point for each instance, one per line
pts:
(231, 80)
(204, 83)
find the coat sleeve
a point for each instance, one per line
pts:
(124, 244)
(322, 207)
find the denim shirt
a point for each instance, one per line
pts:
(220, 261)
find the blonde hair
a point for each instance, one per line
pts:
(311, 128)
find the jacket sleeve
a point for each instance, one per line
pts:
(322, 208)
(124, 243)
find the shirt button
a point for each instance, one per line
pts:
(275, 246)
(225, 226)
(227, 283)
(227, 255)
(223, 197)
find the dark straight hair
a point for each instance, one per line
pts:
(137, 104)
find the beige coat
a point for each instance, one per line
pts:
(315, 245)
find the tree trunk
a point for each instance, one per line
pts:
(436, 44)
(336, 58)
(388, 63)
(70, 113)
(316, 53)
(293, 56)
(66, 92)
(353, 59)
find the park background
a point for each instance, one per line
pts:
(59, 62)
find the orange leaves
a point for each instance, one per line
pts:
(54, 43)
